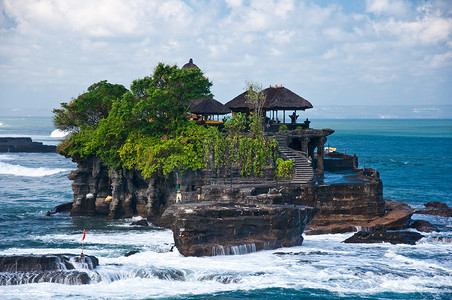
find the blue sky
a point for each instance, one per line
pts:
(333, 53)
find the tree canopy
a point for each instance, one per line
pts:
(147, 128)
(88, 108)
(164, 97)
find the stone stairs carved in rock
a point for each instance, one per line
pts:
(303, 169)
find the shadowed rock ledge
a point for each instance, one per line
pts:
(205, 229)
(379, 234)
(56, 268)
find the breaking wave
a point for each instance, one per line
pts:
(17, 170)
(57, 133)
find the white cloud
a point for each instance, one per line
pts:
(316, 49)
(441, 60)
(429, 27)
(92, 18)
(389, 7)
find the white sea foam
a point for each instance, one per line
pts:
(322, 263)
(57, 133)
(17, 170)
(6, 157)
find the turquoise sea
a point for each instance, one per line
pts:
(412, 156)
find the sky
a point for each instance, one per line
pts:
(332, 53)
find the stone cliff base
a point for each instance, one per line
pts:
(206, 229)
(56, 268)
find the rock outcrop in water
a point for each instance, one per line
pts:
(209, 228)
(379, 234)
(356, 202)
(243, 212)
(56, 268)
(23, 144)
(436, 208)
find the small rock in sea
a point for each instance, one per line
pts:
(444, 239)
(131, 253)
(141, 222)
(436, 208)
(424, 226)
(378, 234)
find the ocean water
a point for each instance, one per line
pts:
(412, 157)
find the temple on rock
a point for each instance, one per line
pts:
(298, 142)
(213, 213)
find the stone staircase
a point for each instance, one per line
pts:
(303, 169)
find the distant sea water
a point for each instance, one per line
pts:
(412, 156)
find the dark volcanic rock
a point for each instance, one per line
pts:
(13, 144)
(436, 208)
(131, 253)
(141, 222)
(424, 226)
(378, 234)
(57, 268)
(65, 207)
(205, 229)
(397, 216)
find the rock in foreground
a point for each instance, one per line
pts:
(378, 234)
(206, 229)
(436, 208)
(56, 268)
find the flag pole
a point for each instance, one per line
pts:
(83, 242)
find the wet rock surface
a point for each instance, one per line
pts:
(397, 216)
(436, 208)
(65, 207)
(424, 226)
(57, 268)
(379, 234)
(205, 229)
(142, 223)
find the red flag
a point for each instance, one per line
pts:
(83, 238)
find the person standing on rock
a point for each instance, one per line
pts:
(178, 196)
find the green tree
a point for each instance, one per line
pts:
(164, 97)
(256, 99)
(89, 108)
(236, 124)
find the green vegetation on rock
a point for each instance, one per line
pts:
(147, 128)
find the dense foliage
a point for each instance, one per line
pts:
(88, 108)
(164, 98)
(147, 129)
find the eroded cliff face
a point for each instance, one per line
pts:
(220, 214)
(209, 228)
(355, 203)
(131, 194)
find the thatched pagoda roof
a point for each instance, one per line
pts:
(276, 98)
(190, 65)
(207, 106)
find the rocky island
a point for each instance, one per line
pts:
(23, 144)
(223, 185)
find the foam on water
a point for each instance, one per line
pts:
(17, 170)
(6, 157)
(323, 262)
